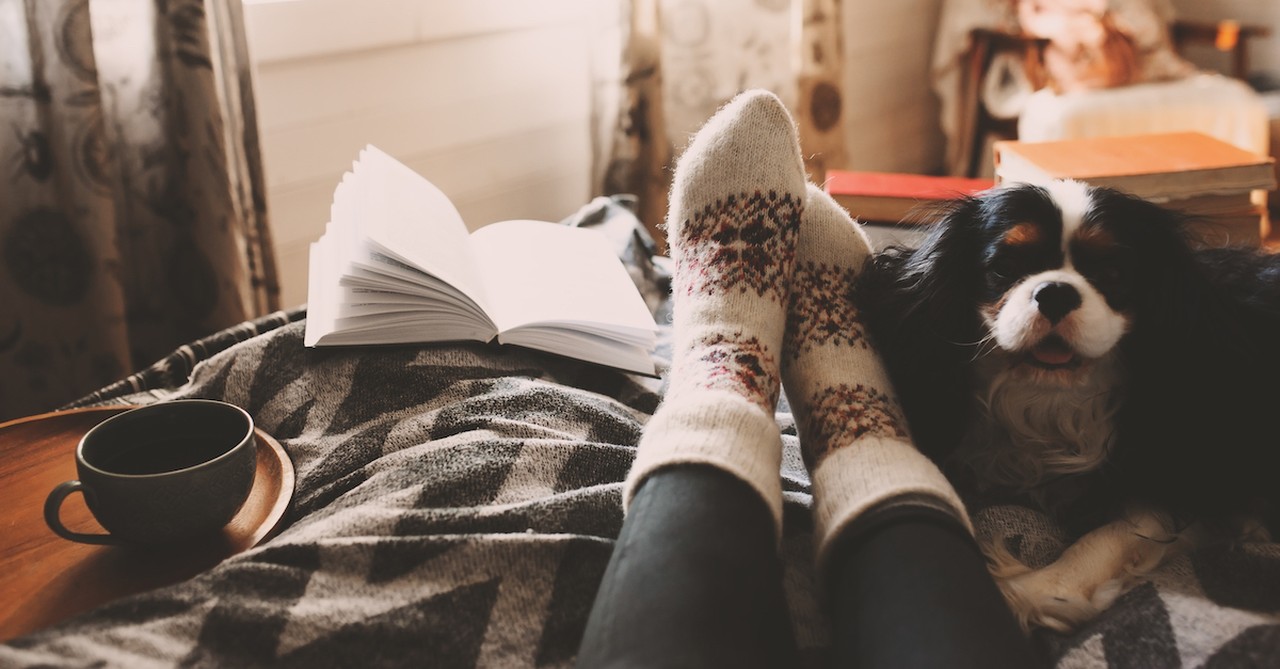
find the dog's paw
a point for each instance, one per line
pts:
(1040, 598)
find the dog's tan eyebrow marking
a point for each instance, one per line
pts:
(1022, 234)
(1095, 237)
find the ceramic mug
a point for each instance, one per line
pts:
(162, 473)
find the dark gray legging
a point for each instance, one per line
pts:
(695, 581)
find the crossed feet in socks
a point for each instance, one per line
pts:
(763, 262)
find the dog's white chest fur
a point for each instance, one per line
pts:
(1027, 432)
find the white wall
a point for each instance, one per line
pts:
(490, 100)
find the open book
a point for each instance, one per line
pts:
(396, 265)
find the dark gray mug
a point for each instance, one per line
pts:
(162, 473)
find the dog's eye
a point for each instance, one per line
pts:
(1105, 272)
(1004, 267)
(1006, 264)
(1111, 274)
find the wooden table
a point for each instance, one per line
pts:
(45, 579)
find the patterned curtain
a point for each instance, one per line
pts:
(680, 60)
(132, 209)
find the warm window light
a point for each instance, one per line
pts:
(1228, 35)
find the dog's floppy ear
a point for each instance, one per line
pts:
(920, 306)
(1202, 344)
(1174, 304)
(923, 282)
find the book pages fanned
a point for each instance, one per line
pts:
(397, 265)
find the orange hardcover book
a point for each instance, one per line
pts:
(1159, 167)
(891, 197)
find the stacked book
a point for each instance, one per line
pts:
(891, 197)
(1221, 188)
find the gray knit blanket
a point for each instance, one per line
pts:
(456, 506)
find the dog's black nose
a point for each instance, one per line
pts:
(1056, 299)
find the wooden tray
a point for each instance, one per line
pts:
(45, 579)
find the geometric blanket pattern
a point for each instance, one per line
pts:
(456, 506)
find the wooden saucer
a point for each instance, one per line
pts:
(46, 579)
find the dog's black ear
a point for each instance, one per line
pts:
(1174, 305)
(920, 307)
(1201, 345)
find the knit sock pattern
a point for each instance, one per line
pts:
(853, 433)
(733, 264)
(737, 196)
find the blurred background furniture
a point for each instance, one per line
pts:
(1015, 82)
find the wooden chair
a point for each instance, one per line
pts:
(1228, 36)
(978, 121)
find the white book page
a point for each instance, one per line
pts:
(381, 202)
(589, 347)
(321, 301)
(406, 217)
(378, 270)
(541, 273)
(327, 258)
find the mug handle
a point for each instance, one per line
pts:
(53, 504)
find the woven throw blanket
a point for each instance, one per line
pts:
(456, 506)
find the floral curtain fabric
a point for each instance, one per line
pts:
(132, 209)
(679, 60)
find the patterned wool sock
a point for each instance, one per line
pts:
(852, 431)
(736, 200)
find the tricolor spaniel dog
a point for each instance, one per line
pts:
(1067, 345)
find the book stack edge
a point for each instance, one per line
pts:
(890, 197)
(1221, 188)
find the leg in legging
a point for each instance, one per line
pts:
(695, 571)
(912, 590)
(909, 587)
(695, 580)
